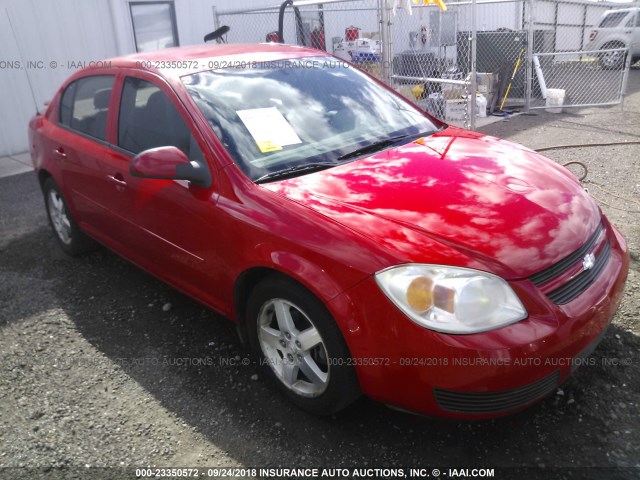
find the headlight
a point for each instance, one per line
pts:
(451, 299)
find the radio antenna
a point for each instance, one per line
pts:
(26, 70)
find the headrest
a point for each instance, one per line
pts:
(101, 99)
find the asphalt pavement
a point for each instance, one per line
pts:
(102, 365)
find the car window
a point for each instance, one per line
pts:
(85, 104)
(66, 104)
(612, 19)
(148, 119)
(291, 113)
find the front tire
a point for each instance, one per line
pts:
(612, 60)
(300, 347)
(66, 230)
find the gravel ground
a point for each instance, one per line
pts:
(104, 366)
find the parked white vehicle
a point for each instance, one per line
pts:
(617, 29)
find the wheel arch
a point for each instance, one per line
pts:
(346, 387)
(43, 176)
(614, 41)
(308, 275)
(242, 288)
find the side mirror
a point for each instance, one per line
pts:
(169, 163)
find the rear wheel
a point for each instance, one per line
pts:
(612, 60)
(300, 347)
(65, 229)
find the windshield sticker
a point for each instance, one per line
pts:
(267, 146)
(269, 129)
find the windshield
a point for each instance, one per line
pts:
(291, 114)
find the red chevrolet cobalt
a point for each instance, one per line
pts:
(362, 246)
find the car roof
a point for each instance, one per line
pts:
(180, 61)
(620, 10)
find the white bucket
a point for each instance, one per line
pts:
(555, 100)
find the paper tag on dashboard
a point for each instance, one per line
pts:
(269, 129)
(267, 146)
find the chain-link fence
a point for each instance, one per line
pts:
(514, 55)
(350, 30)
(434, 49)
(430, 65)
(527, 54)
(586, 57)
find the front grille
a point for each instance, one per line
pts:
(556, 269)
(495, 402)
(579, 283)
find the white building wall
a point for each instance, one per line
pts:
(46, 35)
(49, 34)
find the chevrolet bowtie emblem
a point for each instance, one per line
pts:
(588, 261)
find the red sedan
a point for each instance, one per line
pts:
(362, 246)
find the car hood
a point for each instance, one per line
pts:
(496, 202)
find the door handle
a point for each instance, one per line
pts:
(118, 179)
(59, 152)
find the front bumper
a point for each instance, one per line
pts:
(480, 375)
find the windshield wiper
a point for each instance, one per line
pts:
(377, 146)
(371, 148)
(307, 167)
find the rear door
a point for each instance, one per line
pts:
(79, 142)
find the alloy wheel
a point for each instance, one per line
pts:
(293, 348)
(59, 217)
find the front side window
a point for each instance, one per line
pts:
(148, 119)
(85, 105)
(612, 19)
(291, 114)
(154, 25)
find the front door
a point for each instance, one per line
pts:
(168, 227)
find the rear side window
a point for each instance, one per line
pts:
(148, 119)
(85, 105)
(612, 19)
(66, 105)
